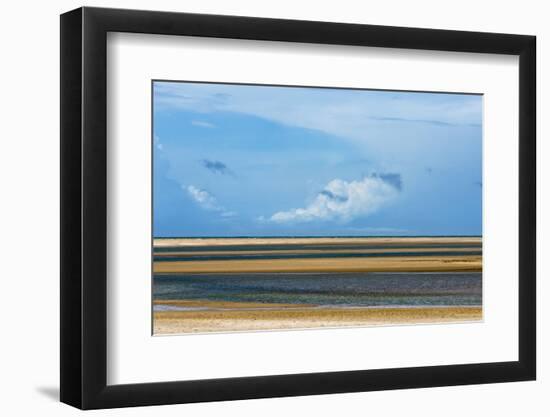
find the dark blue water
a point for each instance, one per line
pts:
(326, 289)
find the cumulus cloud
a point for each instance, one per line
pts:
(201, 123)
(333, 196)
(203, 198)
(217, 167)
(346, 200)
(207, 201)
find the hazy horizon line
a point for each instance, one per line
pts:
(301, 236)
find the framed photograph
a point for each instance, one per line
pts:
(257, 208)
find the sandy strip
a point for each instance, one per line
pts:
(310, 251)
(171, 322)
(389, 264)
(164, 242)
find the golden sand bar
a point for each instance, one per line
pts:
(230, 320)
(183, 242)
(389, 264)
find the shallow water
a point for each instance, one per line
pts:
(326, 289)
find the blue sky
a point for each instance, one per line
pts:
(242, 160)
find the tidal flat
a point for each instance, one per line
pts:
(248, 284)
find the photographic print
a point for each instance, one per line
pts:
(297, 207)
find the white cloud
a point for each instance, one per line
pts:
(201, 123)
(343, 200)
(207, 201)
(156, 141)
(203, 198)
(345, 113)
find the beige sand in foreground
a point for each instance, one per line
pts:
(172, 322)
(183, 242)
(389, 264)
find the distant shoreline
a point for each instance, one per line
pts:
(304, 237)
(177, 242)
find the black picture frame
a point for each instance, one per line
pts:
(84, 207)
